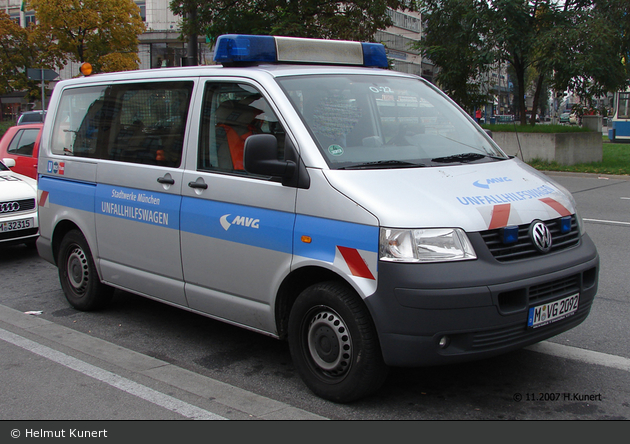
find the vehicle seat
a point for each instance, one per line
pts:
(235, 123)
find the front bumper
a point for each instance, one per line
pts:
(481, 306)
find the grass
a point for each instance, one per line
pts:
(615, 156)
(615, 160)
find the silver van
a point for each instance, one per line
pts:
(302, 190)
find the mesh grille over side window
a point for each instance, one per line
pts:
(231, 113)
(140, 122)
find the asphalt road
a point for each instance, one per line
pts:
(60, 362)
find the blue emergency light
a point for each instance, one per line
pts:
(510, 235)
(565, 224)
(235, 49)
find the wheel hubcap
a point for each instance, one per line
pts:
(329, 343)
(78, 271)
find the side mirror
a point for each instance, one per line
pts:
(8, 162)
(261, 157)
(488, 132)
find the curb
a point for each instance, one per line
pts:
(142, 366)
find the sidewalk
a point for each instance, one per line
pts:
(50, 372)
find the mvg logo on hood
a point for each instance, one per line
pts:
(486, 184)
(249, 222)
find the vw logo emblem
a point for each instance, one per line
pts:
(9, 207)
(541, 236)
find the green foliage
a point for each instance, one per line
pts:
(580, 45)
(350, 20)
(456, 30)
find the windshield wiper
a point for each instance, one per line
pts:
(382, 164)
(465, 157)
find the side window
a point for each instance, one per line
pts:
(138, 122)
(23, 142)
(231, 113)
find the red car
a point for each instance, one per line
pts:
(22, 144)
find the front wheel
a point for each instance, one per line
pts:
(334, 344)
(78, 276)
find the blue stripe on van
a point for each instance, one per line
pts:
(327, 234)
(69, 193)
(242, 224)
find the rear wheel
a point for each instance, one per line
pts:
(78, 276)
(334, 344)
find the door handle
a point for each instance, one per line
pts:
(198, 184)
(166, 180)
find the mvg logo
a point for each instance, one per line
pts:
(249, 222)
(486, 184)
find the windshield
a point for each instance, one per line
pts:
(366, 121)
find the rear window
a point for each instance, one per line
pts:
(138, 123)
(31, 118)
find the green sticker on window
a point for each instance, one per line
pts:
(335, 150)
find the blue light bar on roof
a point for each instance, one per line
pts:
(251, 49)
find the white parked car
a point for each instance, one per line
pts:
(18, 206)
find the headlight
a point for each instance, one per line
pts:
(425, 245)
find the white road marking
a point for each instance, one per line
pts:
(611, 222)
(582, 355)
(117, 381)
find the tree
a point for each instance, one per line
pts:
(21, 49)
(102, 32)
(350, 20)
(457, 27)
(570, 44)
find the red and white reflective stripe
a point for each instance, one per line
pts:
(500, 216)
(501, 213)
(43, 199)
(357, 265)
(561, 209)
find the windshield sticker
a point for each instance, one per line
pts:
(495, 199)
(381, 89)
(335, 150)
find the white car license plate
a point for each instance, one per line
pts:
(14, 225)
(553, 311)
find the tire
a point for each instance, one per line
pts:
(334, 344)
(78, 276)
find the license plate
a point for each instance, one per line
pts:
(553, 311)
(14, 225)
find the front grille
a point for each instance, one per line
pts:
(554, 290)
(523, 248)
(22, 205)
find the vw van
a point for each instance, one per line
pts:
(300, 189)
